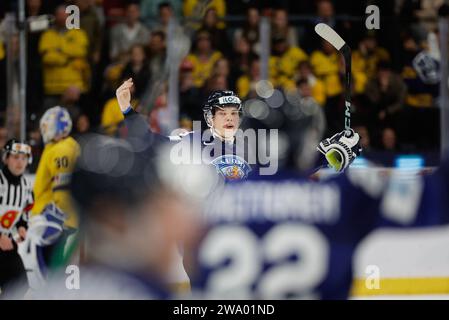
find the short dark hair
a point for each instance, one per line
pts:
(132, 3)
(158, 33)
(383, 65)
(164, 4)
(300, 82)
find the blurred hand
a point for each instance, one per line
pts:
(5, 243)
(123, 94)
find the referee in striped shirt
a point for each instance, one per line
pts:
(16, 199)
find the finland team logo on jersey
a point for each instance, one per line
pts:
(232, 167)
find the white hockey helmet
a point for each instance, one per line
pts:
(55, 122)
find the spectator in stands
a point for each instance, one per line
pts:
(325, 13)
(326, 64)
(165, 13)
(365, 139)
(219, 37)
(82, 126)
(203, 58)
(423, 15)
(389, 141)
(241, 60)
(385, 94)
(34, 8)
(281, 29)
(64, 58)
(246, 84)
(194, 9)
(215, 82)
(368, 55)
(305, 91)
(250, 30)
(154, 10)
(114, 10)
(316, 85)
(138, 69)
(189, 96)
(157, 55)
(71, 101)
(90, 23)
(222, 68)
(112, 77)
(284, 61)
(124, 35)
(420, 74)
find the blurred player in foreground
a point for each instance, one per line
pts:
(16, 199)
(281, 236)
(54, 218)
(222, 112)
(131, 218)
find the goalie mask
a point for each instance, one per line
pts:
(14, 146)
(54, 123)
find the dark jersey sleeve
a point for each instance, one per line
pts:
(138, 130)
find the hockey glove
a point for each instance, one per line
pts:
(341, 149)
(46, 228)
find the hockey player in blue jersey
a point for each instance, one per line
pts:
(282, 236)
(223, 115)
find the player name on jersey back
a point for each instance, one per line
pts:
(275, 201)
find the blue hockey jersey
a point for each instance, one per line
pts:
(285, 237)
(231, 160)
(230, 163)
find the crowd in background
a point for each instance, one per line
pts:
(395, 107)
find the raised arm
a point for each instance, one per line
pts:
(138, 129)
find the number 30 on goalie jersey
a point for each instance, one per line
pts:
(282, 238)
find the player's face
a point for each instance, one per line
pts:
(17, 163)
(226, 121)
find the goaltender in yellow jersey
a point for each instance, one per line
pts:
(53, 176)
(52, 234)
(56, 165)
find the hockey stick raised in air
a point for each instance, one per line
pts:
(329, 34)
